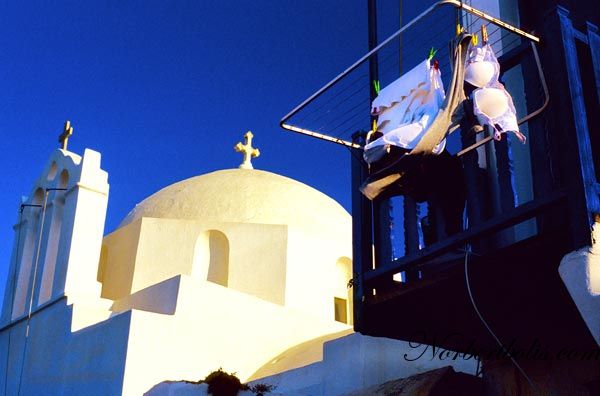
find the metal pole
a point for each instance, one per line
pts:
(373, 64)
(382, 221)
(362, 242)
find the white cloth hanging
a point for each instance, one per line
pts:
(407, 107)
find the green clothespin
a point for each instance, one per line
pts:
(376, 86)
(432, 53)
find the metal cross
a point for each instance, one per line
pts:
(63, 139)
(248, 151)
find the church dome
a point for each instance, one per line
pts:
(242, 196)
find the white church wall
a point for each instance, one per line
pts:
(306, 354)
(83, 226)
(312, 279)
(305, 380)
(351, 362)
(149, 250)
(258, 260)
(58, 361)
(11, 278)
(165, 249)
(118, 263)
(16, 299)
(159, 298)
(213, 327)
(12, 345)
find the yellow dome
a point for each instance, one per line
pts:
(242, 196)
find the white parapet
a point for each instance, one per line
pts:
(580, 272)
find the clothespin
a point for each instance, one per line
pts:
(484, 34)
(376, 86)
(459, 29)
(474, 39)
(372, 131)
(432, 53)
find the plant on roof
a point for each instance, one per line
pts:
(222, 383)
(260, 389)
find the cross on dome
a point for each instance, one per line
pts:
(248, 151)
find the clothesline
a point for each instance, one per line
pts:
(344, 109)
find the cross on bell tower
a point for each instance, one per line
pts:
(248, 151)
(63, 139)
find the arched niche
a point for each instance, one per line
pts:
(211, 257)
(342, 299)
(54, 218)
(52, 172)
(38, 196)
(63, 181)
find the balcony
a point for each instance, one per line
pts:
(526, 205)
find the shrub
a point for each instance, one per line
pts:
(221, 383)
(261, 389)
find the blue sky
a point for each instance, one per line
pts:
(164, 90)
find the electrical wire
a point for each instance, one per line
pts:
(33, 281)
(14, 288)
(487, 326)
(32, 286)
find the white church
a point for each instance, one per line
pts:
(240, 269)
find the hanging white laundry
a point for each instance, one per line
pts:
(400, 88)
(482, 67)
(407, 107)
(492, 104)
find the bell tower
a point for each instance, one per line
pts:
(58, 234)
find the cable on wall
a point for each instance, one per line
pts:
(487, 326)
(33, 280)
